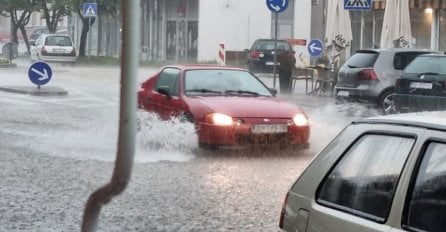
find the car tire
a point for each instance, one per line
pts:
(385, 102)
(207, 146)
(251, 67)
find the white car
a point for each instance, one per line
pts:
(53, 48)
(379, 174)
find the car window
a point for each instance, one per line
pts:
(402, 59)
(58, 41)
(363, 182)
(269, 45)
(169, 77)
(427, 64)
(427, 205)
(362, 59)
(222, 81)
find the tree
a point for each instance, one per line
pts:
(19, 11)
(104, 7)
(55, 11)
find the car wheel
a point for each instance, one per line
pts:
(386, 102)
(207, 146)
(251, 67)
(187, 117)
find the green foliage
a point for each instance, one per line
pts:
(4, 61)
(98, 60)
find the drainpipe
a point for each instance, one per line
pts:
(127, 118)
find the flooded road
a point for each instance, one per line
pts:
(58, 150)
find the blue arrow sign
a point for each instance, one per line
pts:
(89, 9)
(315, 47)
(277, 6)
(357, 4)
(40, 73)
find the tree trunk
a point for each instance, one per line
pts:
(25, 37)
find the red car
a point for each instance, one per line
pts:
(229, 106)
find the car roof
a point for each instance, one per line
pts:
(430, 120)
(202, 66)
(272, 40)
(394, 50)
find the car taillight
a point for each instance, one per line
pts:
(367, 75)
(282, 213)
(43, 51)
(255, 54)
(73, 52)
(444, 85)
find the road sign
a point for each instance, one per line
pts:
(315, 47)
(89, 10)
(277, 6)
(357, 4)
(40, 73)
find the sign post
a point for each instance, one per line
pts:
(89, 10)
(276, 6)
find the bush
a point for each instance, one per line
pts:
(4, 61)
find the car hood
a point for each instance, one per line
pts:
(246, 107)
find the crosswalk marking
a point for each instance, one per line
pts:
(358, 3)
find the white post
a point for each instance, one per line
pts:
(221, 59)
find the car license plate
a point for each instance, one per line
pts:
(420, 85)
(269, 63)
(269, 128)
(343, 93)
(58, 50)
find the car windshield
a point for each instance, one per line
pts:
(269, 45)
(220, 81)
(362, 60)
(58, 41)
(427, 65)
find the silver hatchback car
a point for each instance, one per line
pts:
(370, 75)
(386, 173)
(53, 48)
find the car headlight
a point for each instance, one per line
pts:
(300, 120)
(219, 119)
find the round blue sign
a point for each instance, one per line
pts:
(315, 47)
(40, 73)
(277, 6)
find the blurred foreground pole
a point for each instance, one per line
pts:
(127, 118)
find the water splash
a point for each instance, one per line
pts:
(171, 140)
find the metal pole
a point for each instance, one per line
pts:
(89, 35)
(276, 23)
(127, 118)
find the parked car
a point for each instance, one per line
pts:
(53, 48)
(370, 75)
(260, 57)
(422, 86)
(386, 173)
(37, 32)
(229, 106)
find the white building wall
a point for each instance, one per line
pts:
(302, 30)
(237, 23)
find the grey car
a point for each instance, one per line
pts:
(369, 75)
(422, 86)
(386, 173)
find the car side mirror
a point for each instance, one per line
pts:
(164, 90)
(273, 91)
(32, 43)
